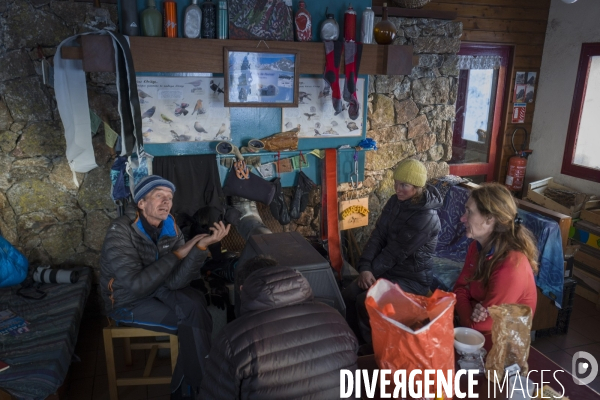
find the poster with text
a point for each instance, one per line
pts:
(315, 113)
(183, 109)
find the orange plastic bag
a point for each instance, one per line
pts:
(410, 331)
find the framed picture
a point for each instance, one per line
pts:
(266, 78)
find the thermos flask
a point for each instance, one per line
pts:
(368, 18)
(350, 25)
(170, 19)
(130, 21)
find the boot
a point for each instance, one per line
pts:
(300, 200)
(278, 206)
(250, 223)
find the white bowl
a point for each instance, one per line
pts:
(467, 340)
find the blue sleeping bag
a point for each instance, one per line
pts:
(13, 264)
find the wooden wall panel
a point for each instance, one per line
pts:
(517, 23)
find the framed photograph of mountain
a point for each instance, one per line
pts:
(266, 78)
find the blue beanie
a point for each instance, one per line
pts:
(148, 183)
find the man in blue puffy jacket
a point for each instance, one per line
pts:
(146, 268)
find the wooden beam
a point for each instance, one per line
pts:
(206, 55)
(98, 53)
(415, 13)
(72, 53)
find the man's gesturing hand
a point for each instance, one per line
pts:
(218, 232)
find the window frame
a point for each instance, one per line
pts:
(490, 169)
(588, 50)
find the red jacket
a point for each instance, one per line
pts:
(512, 282)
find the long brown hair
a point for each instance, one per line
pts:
(494, 200)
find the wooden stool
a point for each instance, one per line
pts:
(112, 331)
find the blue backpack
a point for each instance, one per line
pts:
(13, 265)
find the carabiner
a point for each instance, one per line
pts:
(354, 174)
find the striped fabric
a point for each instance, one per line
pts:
(39, 359)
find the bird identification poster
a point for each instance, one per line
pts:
(315, 113)
(183, 109)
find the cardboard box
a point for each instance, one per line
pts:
(588, 260)
(584, 237)
(591, 212)
(535, 193)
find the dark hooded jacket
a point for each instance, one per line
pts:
(283, 346)
(132, 266)
(403, 242)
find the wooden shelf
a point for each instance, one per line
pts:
(152, 54)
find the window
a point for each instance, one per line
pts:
(479, 109)
(582, 158)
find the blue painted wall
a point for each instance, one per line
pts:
(257, 123)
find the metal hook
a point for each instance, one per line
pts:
(354, 174)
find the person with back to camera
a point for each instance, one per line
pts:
(401, 245)
(284, 345)
(501, 261)
(146, 269)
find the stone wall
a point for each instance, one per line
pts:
(54, 221)
(411, 116)
(49, 217)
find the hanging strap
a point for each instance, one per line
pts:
(129, 102)
(278, 167)
(329, 207)
(72, 102)
(301, 159)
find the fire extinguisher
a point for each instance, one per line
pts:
(517, 164)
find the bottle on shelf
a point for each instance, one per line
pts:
(209, 20)
(129, 18)
(170, 19)
(223, 25)
(192, 20)
(330, 30)
(350, 24)
(303, 23)
(152, 20)
(384, 31)
(366, 29)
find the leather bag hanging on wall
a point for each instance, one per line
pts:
(253, 188)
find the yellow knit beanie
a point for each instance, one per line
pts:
(412, 172)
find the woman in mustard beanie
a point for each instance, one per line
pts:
(401, 245)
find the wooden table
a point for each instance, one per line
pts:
(537, 361)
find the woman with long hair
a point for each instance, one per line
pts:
(501, 262)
